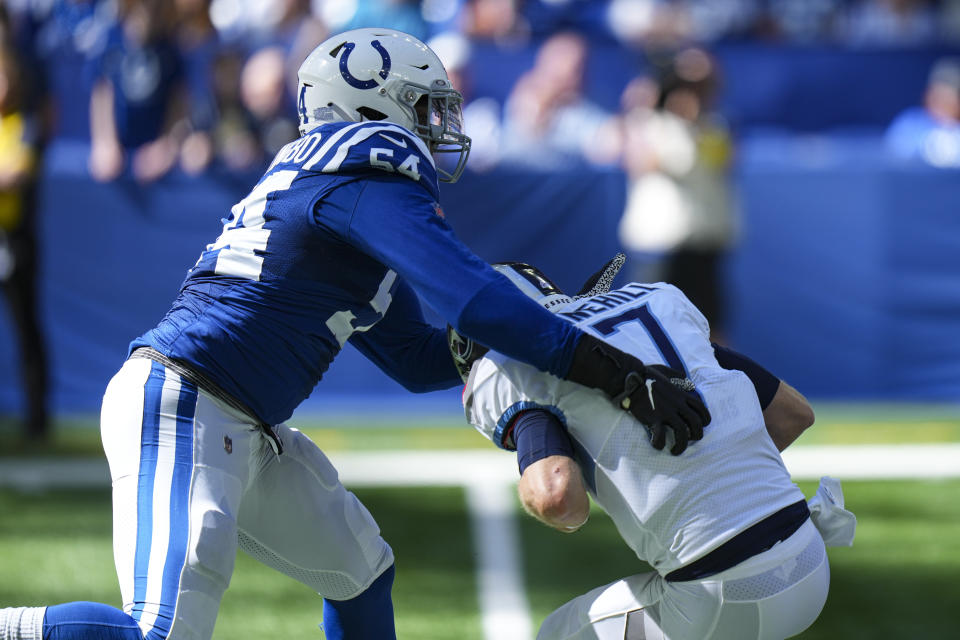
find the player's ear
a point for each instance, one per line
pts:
(602, 280)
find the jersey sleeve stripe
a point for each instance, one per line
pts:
(334, 164)
(360, 131)
(325, 148)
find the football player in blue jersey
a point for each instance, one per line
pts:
(328, 247)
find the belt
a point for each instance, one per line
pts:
(203, 382)
(746, 544)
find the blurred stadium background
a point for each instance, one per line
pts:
(794, 166)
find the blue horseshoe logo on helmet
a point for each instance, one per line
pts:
(364, 84)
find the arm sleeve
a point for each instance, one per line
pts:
(765, 383)
(407, 348)
(539, 434)
(396, 222)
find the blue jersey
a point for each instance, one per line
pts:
(329, 247)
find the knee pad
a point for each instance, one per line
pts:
(89, 620)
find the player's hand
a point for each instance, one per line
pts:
(670, 395)
(658, 396)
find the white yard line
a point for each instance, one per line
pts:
(465, 467)
(460, 468)
(489, 477)
(503, 598)
(874, 462)
(425, 468)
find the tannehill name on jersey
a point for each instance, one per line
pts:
(611, 300)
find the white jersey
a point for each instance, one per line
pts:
(671, 510)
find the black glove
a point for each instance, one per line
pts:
(464, 352)
(658, 396)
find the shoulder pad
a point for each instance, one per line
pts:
(380, 146)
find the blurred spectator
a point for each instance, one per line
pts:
(669, 24)
(139, 96)
(679, 219)
(300, 31)
(267, 100)
(251, 96)
(648, 23)
(64, 38)
(949, 21)
(931, 133)
(498, 21)
(21, 23)
(891, 23)
(198, 45)
(292, 26)
(234, 138)
(18, 241)
(454, 50)
(482, 116)
(712, 20)
(665, 24)
(805, 22)
(546, 17)
(548, 121)
(402, 15)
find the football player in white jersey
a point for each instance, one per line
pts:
(735, 552)
(331, 246)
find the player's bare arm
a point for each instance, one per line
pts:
(785, 411)
(551, 485)
(551, 490)
(787, 416)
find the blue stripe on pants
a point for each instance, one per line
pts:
(149, 447)
(179, 509)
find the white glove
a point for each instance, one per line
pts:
(835, 524)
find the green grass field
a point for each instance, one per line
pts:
(900, 580)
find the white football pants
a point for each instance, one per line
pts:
(193, 479)
(773, 595)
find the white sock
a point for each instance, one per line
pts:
(22, 623)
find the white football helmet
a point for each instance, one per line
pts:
(383, 74)
(534, 283)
